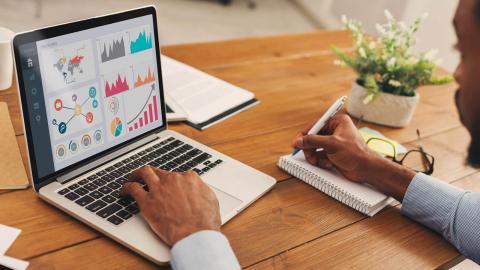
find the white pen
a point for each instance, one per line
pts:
(324, 119)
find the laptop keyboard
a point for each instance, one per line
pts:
(100, 192)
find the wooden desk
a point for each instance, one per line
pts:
(294, 226)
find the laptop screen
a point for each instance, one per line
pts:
(90, 90)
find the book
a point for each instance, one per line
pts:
(175, 113)
(360, 197)
(14, 175)
(205, 99)
(7, 237)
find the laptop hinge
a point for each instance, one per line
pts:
(99, 162)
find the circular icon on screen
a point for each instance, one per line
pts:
(73, 146)
(86, 140)
(116, 127)
(58, 104)
(62, 128)
(61, 151)
(92, 92)
(89, 117)
(97, 136)
(113, 105)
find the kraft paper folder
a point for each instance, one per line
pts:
(13, 174)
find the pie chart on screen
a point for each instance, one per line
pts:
(116, 127)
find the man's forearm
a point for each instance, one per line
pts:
(204, 250)
(452, 212)
(388, 177)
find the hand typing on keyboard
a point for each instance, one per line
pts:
(175, 205)
(99, 192)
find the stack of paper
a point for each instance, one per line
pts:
(7, 237)
(205, 99)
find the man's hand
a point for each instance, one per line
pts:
(176, 205)
(345, 149)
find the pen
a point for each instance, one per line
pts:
(324, 119)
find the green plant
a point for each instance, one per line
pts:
(387, 63)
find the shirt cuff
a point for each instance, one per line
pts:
(429, 201)
(203, 250)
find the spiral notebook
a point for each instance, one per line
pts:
(361, 197)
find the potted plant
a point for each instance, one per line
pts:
(389, 72)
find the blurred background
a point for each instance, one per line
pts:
(187, 21)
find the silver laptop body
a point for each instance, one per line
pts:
(82, 146)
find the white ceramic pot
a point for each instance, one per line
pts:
(386, 109)
(6, 58)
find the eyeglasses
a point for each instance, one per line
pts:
(415, 159)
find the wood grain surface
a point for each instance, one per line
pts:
(294, 226)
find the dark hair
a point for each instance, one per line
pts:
(477, 10)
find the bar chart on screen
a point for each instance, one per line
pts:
(147, 113)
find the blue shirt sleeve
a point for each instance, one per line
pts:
(204, 250)
(450, 211)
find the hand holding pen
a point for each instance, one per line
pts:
(324, 119)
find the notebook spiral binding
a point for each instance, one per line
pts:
(325, 186)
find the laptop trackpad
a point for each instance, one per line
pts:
(227, 202)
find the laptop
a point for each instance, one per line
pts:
(93, 110)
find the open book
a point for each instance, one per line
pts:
(360, 197)
(206, 100)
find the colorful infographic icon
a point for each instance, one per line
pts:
(89, 117)
(61, 151)
(116, 127)
(113, 105)
(86, 140)
(58, 104)
(76, 109)
(92, 92)
(62, 127)
(73, 146)
(97, 136)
